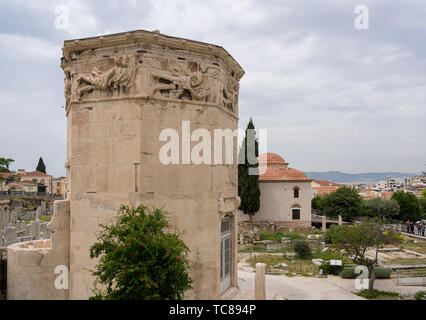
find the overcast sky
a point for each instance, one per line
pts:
(331, 96)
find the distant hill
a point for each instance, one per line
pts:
(370, 177)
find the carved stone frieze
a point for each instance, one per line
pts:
(112, 75)
(186, 81)
(229, 94)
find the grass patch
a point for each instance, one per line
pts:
(419, 246)
(276, 236)
(378, 295)
(407, 261)
(268, 259)
(330, 255)
(256, 249)
(42, 219)
(297, 267)
(420, 295)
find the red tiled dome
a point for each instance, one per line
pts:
(271, 158)
(294, 174)
(283, 174)
(280, 172)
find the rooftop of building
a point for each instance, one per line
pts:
(274, 173)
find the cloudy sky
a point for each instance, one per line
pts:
(331, 96)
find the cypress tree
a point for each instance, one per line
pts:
(41, 167)
(248, 185)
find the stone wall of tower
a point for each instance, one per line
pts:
(122, 91)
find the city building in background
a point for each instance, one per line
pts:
(286, 194)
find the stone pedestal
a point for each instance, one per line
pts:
(324, 223)
(259, 284)
(123, 92)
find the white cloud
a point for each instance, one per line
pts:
(15, 44)
(332, 97)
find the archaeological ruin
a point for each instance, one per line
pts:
(122, 90)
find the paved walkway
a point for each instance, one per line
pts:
(413, 235)
(298, 288)
(311, 288)
(382, 284)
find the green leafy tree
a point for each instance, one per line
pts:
(423, 202)
(10, 179)
(248, 184)
(138, 259)
(345, 202)
(378, 207)
(317, 203)
(356, 239)
(4, 168)
(40, 166)
(409, 205)
(5, 163)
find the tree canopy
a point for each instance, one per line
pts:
(5, 163)
(317, 203)
(248, 185)
(356, 239)
(409, 204)
(40, 166)
(378, 207)
(423, 202)
(345, 202)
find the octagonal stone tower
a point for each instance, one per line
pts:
(122, 91)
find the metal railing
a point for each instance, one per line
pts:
(411, 275)
(406, 228)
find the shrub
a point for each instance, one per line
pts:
(138, 259)
(372, 294)
(420, 295)
(329, 234)
(302, 249)
(382, 273)
(348, 272)
(327, 268)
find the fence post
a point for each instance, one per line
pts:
(397, 277)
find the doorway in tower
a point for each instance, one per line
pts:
(225, 254)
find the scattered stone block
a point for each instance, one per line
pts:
(280, 265)
(318, 262)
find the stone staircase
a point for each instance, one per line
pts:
(234, 293)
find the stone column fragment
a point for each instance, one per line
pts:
(259, 284)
